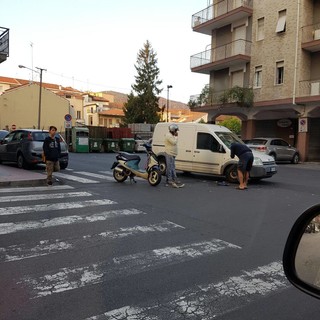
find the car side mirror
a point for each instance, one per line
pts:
(301, 257)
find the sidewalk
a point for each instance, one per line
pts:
(11, 176)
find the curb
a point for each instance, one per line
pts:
(24, 183)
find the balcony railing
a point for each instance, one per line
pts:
(309, 88)
(219, 9)
(311, 37)
(4, 44)
(237, 47)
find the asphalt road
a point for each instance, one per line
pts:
(92, 248)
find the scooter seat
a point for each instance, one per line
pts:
(130, 156)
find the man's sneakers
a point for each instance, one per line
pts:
(49, 183)
(174, 184)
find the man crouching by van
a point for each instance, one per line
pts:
(171, 150)
(245, 156)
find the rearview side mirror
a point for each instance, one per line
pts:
(301, 257)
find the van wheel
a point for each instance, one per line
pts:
(162, 165)
(232, 174)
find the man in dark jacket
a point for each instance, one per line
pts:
(52, 150)
(245, 156)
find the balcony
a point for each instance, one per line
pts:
(233, 53)
(309, 88)
(311, 38)
(221, 14)
(4, 44)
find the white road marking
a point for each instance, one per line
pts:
(35, 189)
(47, 247)
(6, 228)
(74, 178)
(45, 196)
(206, 302)
(110, 173)
(55, 206)
(95, 175)
(73, 278)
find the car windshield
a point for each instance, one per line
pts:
(257, 141)
(228, 138)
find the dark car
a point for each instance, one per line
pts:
(277, 148)
(24, 146)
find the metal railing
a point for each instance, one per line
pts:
(310, 33)
(231, 49)
(218, 9)
(4, 41)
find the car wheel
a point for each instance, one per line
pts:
(21, 162)
(295, 159)
(162, 165)
(231, 174)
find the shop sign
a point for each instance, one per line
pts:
(284, 123)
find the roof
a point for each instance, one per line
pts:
(112, 112)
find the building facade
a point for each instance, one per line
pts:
(270, 49)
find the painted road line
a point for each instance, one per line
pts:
(95, 175)
(11, 227)
(74, 178)
(73, 278)
(35, 189)
(207, 302)
(33, 197)
(55, 206)
(48, 247)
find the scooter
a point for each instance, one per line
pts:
(127, 165)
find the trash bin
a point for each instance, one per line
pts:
(80, 139)
(95, 144)
(110, 145)
(127, 144)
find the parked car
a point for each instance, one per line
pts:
(277, 148)
(24, 146)
(3, 133)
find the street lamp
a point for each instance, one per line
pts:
(168, 87)
(40, 90)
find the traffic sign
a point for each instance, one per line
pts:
(68, 124)
(68, 117)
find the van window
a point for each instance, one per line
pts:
(206, 141)
(228, 138)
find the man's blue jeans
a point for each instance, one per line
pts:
(171, 168)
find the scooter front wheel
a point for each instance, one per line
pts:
(154, 177)
(119, 176)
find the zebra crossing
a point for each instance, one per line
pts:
(202, 301)
(87, 177)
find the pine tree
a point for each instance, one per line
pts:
(143, 101)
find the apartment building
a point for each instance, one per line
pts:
(271, 49)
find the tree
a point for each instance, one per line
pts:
(233, 124)
(206, 97)
(143, 101)
(243, 97)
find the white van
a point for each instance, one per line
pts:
(205, 149)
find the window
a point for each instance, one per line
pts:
(279, 72)
(258, 77)
(206, 141)
(260, 29)
(78, 114)
(281, 25)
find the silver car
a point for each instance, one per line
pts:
(277, 148)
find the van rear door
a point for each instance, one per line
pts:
(206, 155)
(186, 141)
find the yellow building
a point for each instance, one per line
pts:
(19, 108)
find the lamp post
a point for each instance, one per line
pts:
(40, 89)
(168, 87)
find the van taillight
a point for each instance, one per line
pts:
(262, 149)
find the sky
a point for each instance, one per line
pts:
(93, 44)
